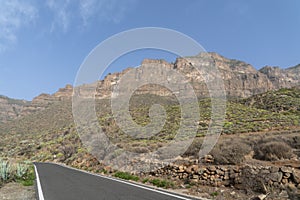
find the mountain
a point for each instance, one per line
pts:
(262, 118)
(240, 80)
(43, 101)
(10, 108)
(282, 78)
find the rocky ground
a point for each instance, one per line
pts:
(15, 191)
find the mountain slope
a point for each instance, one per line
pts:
(10, 108)
(280, 101)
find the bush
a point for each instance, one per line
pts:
(145, 180)
(230, 152)
(272, 150)
(126, 176)
(28, 178)
(162, 183)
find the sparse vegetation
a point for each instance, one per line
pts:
(126, 176)
(230, 152)
(145, 180)
(214, 194)
(50, 135)
(161, 183)
(272, 150)
(19, 172)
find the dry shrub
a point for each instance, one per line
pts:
(272, 150)
(230, 152)
(194, 148)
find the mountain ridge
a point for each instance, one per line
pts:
(240, 80)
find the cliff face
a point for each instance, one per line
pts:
(240, 80)
(282, 78)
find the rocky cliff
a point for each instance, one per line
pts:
(282, 78)
(240, 80)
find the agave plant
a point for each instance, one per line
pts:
(21, 170)
(4, 170)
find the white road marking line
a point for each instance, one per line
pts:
(39, 187)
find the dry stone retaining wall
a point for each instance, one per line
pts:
(246, 175)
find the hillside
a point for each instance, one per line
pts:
(261, 128)
(50, 134)
(47, 119)
(10, 108)
(280, 101)
(242, 116)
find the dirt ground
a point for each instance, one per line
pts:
(15, 191)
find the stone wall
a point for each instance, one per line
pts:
(244, 176)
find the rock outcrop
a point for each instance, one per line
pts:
(282, 78)
(240, 80)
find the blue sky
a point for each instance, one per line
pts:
(43, 43)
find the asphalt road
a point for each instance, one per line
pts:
(56, 182)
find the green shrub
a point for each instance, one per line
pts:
(126, 176)
(29, 177)
(145, 180)
(162, 183)
(214, 194)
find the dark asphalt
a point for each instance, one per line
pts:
(61, 183)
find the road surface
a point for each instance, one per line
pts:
(55, 182)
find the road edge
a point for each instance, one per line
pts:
(38, 183)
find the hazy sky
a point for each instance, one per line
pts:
(43, 43)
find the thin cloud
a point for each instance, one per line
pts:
(14, 15)
(17, 14)
(104, 10)
(62, 14)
